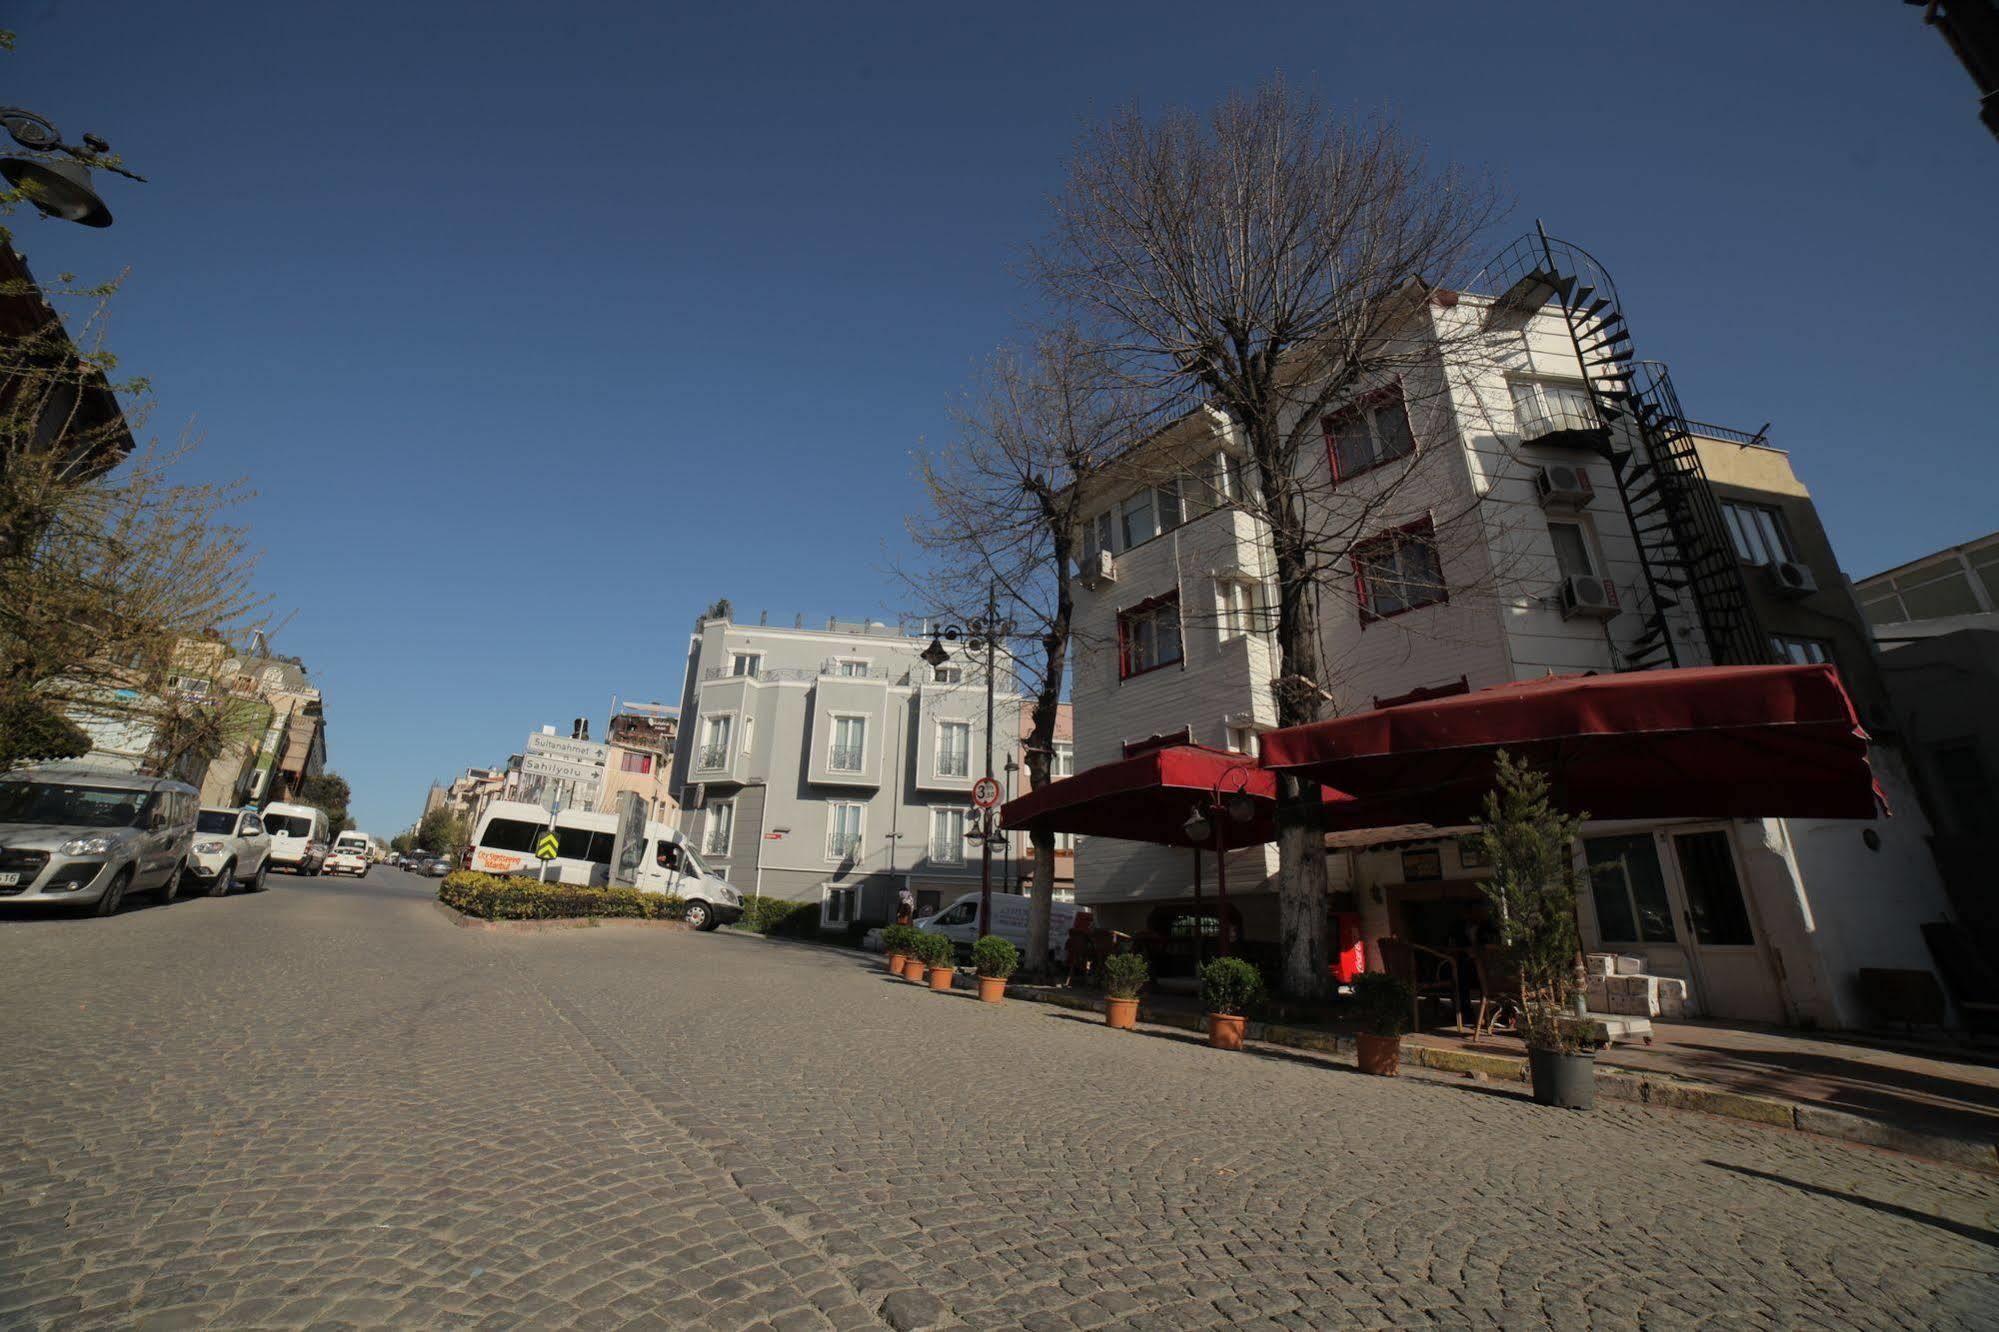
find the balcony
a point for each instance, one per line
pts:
(845, 758)
(1561, 424)
(712, 758)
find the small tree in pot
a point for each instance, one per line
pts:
(994, 959)
(896, 940)
(1385, 1006)
(916, 967)
(1533, 890)
(940, 954)
(1125, 975)
(1230, 987)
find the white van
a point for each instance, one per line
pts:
(670, 865)
(293, 828)
(358, 842)
(959, 922)
(507, 833)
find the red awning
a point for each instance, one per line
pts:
(1712, 742)
(1148, 797)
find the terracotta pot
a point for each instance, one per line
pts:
(1379, 1055)
(895, 961)
(941, 977)
(1121, 1013)
(913, 969)
(1225, 1030)
(992, 989)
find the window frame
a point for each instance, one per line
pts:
(709, 821)
(964, 816)
(710, 722)
(1591, 561)
(1149, 610)
(737, 670)
(860, 831)
(1365, 408)
(1396, 538)
(1062, 759)
(1244, 620)
(938, 751)
(1781, 645)
(833, 746)
(1732, 513)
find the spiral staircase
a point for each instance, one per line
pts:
(1639, 429)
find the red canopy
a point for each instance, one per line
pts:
(1148, 797)
(1712, 742)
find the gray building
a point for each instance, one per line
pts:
(834, 765)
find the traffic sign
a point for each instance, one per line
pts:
(545, 846)
(986, 792)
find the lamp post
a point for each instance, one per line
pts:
(980, 635)
(57, 188)
(1226, 804)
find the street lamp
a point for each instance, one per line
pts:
(60, 189)
(1209, 824)
(980, 635)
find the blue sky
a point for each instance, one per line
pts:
(539, 327)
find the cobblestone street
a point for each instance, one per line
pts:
(326, 1105)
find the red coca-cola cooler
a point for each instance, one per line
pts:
(1349, 955)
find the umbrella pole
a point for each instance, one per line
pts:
(1222, 883)
(1200, 935)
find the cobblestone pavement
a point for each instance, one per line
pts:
(326, 1105)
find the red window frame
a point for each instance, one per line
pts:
(1395, 536)
(1124, 619)
(1367, 402)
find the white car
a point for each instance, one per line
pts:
(230, 848)
(345, 860)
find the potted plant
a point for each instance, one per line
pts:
(1533, 889)
(1125, 975)
(994, 959)
(916, 967)
(942, 955)
(1230, 987)
(895, 946)
(1383, 1003)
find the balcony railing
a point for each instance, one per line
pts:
(954, 765)
(713, 757)
(947, 851)
(844, 758)
(839, 846)
(1555, 418)
(838, 669)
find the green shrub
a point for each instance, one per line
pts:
(1125, 975)
(1230, 986)
(781, 917)
(936, 950)
(994, 956)
(1382, 1003)
(510, 897)
(899, 939)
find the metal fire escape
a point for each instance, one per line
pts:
(1639, 429)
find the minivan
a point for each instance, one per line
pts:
(88, 837)
(959, 922)
(293, 829)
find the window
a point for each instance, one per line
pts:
(954, 749)
(853, 668)
(1239, 604)
(721, 826)
(843, 830)
(632, 762)
(1542, 408)
(715, 741)
(961, 913)
(1065, 842)
(1714, 895)
(947, 836)
(1373, 431)
(583, 844)
(1398, 571)
(841, 906)
(1169, 508)
(850, 736)
(1758, 533)
(1063, 763)
(1135, 520)
(500, 834)
(1149, 636)
(667, 856)
(748, 664)
(947, 675)
(1572, 550)
(216, 821)
(1242, 739)
(1801, 651)
(1629, 890)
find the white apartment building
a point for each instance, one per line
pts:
(835, 765)
(1527, 500)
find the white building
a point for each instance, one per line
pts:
(1528, 500)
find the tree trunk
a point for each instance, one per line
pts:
(1041, 900)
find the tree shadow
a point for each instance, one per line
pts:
(1962, 1229)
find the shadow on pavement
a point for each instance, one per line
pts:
(1964, 1230)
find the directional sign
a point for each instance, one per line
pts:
(986, 792)
(545, 846)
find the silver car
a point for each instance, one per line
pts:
(87, 837)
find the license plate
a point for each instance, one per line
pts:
(9, 878)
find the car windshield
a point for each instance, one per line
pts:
(288, 825)
(215, 821)
(69, 805)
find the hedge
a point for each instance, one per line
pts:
(510, 897)
(778, 916)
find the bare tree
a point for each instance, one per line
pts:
(1005, 504)
(1273, 263)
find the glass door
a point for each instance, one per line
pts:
(1733, 970)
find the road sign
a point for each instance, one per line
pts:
(545, 846)
(986, 792)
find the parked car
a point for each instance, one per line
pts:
(311, 858)
(345, 860)
(87, 837)
(294, 829)
(434, 868)
(230, 848)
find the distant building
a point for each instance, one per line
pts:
(640, 740)
(834, 765)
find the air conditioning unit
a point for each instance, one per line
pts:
(1588, 598)
(1563, 487)
(1095, 571)
(1791, 579)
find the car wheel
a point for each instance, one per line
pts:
(114, 896)
(171, 888)
(257, 883)
(223, 880)
(699, 916)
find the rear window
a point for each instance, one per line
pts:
(215, 821)
(510, 835)
(288, 825)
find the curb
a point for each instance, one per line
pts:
(465, 922)
(1612, 1083)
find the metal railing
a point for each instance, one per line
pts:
(947, 851)
(838, 669)
(1709, 431)
(954, 764)
(713, 757)
(839, 846)
(844, 758)
(1554, 418)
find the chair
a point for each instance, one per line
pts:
(1399, 959)
(1498, 988)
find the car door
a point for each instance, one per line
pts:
(155, 841)
(253, 844)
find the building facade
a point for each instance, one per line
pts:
(639, 759)
(1523, 498)
(835, 765)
